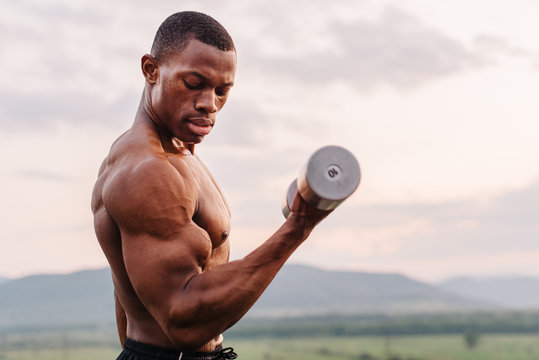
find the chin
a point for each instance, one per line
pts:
(192, 140)
(197, 140)
(188, 137)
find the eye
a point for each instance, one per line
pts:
(192, 85)
(222, 91)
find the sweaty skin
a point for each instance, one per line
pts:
(163, 222)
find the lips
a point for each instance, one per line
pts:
(200, 126)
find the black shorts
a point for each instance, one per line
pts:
(134, 350)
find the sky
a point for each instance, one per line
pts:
(437, 100)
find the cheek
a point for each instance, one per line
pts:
(221, 102)
(169, 100)
(159, 97)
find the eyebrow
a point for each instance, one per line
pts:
(202, 77)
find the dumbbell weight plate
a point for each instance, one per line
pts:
(330, 175)
(289, 199)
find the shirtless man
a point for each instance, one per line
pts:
(161, 219)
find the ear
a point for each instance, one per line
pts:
(150, 68)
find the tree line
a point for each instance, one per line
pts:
(384, 325)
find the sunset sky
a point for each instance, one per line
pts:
(438, 100)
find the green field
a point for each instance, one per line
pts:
(441, 347)
(420, 347)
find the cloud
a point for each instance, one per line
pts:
(241, 123)
(38, 175)
(40, 110)
(69, 62)
(399, 50)
(473, 227)
(492, 46)
(81, 63)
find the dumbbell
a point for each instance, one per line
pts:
(329, 177)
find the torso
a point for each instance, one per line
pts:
(211, 214)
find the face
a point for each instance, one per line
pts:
(190, 89)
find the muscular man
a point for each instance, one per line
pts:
(161, 219)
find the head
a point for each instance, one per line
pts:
(176, 31)
(189, 74)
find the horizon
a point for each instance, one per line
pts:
(500, 276)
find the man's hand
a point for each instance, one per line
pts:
(305, 214)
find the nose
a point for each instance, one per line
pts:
(207, 102)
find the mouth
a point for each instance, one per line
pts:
(200, 126)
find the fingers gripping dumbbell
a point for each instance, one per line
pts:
(330, 176)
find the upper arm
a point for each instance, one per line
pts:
(153, 205)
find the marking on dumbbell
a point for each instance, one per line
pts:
(333, 172)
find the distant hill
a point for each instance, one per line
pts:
(86, 297)
(300, 290)
(80, 298)
(3, 280)
(512, 292)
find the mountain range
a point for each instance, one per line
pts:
(85, 298)
(512, 292)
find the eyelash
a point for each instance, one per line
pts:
(192, 87)
(199, 86)
(221, 92)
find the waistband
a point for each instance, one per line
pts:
(158, 353)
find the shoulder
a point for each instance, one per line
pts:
(148, 193)
(137, 162)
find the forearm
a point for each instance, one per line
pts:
(214, 300)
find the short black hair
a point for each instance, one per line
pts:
(176, 31)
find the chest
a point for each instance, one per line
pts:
(212, 213)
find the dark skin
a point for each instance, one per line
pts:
(163, 222)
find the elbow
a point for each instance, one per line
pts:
(187, 331)
(186, 340)
(189, 339)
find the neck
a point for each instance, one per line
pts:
(182, 146)
(146, 115)
(145, 111)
